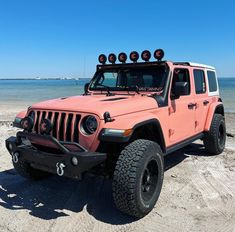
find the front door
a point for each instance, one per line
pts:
(181, 109)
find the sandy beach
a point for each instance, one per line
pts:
(198, 195)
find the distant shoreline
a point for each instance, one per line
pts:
(65, 78)
(43, 79)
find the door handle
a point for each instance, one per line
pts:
(205, 102)
(191, 105)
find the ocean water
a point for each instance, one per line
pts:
(23, 93)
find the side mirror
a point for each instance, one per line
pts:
(86, 86)
(181, 88)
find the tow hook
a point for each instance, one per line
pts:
(60, 169)
(15, 157)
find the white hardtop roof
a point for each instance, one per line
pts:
(201, 65)
(195, 65)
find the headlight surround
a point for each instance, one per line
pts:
(27, 123)
(89, 125)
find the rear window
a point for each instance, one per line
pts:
(199, 80)
(212, 81)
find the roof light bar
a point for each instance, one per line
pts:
(134, 56)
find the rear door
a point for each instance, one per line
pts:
(201, 99)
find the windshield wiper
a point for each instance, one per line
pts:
(107, 88)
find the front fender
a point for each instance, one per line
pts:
(129, 123)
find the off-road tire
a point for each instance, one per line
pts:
(25, 170)
(214, 140)
(128, 177)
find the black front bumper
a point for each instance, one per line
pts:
(46, 153)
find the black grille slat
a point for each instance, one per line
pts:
(69, 128)
(43, 115)
(37, 122)
(76, 132)
(54, 132)
(61, 128)
(49, 115)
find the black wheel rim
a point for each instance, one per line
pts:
(149, 180)
(221, 135)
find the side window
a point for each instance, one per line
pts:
(180, 75)
(199, 80)
(212, 81)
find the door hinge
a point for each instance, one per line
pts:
(196, 123)
(171, 110)
(171, 132)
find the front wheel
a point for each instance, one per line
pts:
(215, 138)
(138, 178)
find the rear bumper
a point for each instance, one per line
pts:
(46, 153)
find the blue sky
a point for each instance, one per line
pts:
(62, 38)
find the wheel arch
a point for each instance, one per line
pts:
(150, 129)
(216, 108)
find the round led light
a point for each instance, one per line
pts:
(10, 146)
(45, 126)
(134, 56)
(74, 161)
(159, 54)
(102, 59)
(122, 57)
(112, 58)
(27, 123)
(89, 125)
(146, 55)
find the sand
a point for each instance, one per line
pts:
(198, 195)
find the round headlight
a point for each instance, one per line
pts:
(89, 125)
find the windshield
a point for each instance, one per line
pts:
(151, 79)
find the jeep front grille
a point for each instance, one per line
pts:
(65, 125)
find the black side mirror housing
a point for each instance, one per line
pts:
(181, 88)
(86, 86)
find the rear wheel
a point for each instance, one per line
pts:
(138, 178)
(25, 170)
(215, 138)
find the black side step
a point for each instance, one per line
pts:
(183, 143)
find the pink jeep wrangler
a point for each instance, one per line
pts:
(130, 116)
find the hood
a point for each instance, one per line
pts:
(98, 104)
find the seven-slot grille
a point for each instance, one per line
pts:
(65, 125)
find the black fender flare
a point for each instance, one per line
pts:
(121, 139)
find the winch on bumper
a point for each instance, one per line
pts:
(46, 153)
